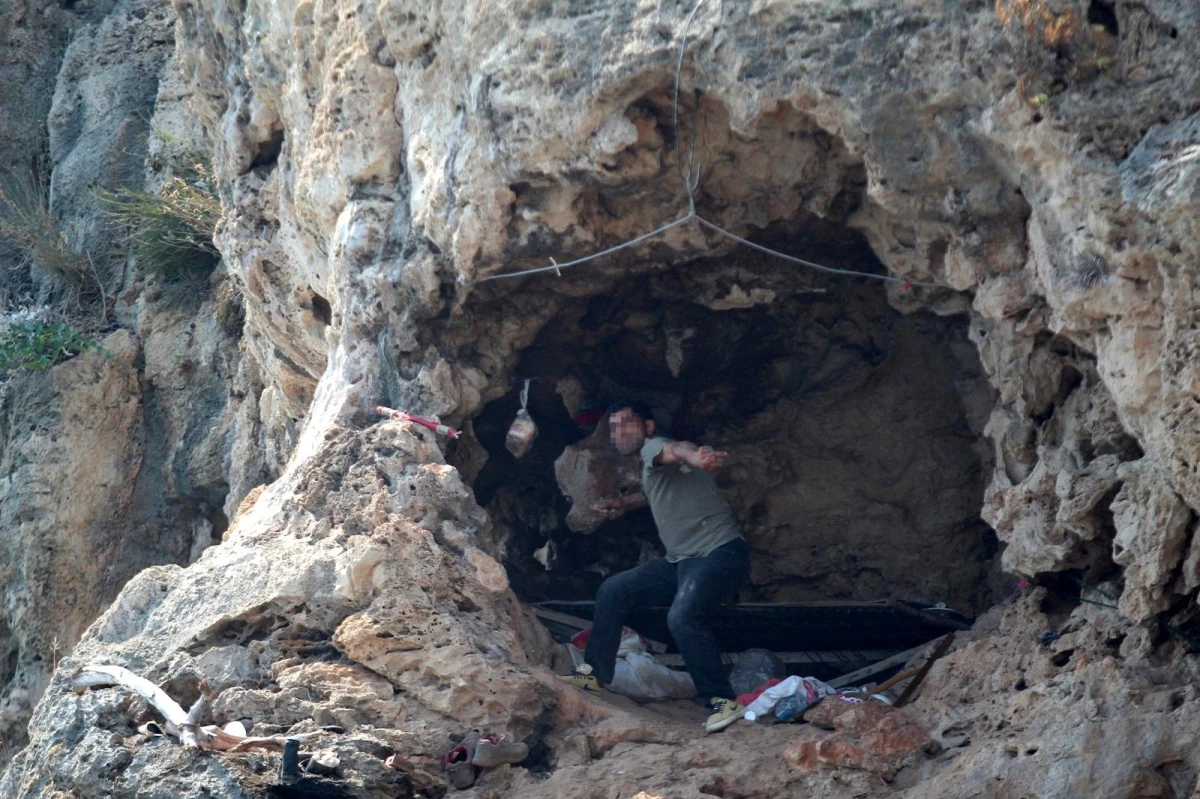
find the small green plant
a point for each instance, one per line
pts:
(40, 345)
(29, 228)
(171, 231)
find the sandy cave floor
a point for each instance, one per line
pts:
(657, 749)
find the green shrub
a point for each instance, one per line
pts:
(29, 228)
(171, 231)
(40, 345)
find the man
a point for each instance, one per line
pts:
(706, 560)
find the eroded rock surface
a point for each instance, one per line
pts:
(364, 604)
(377, 162)
(82, 450)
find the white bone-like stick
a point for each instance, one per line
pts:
(178, 723)
(92, 676)
(190, 734)
(222, 741)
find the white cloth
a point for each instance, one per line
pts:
(812, 688)
(640, 677)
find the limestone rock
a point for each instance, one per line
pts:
(67, 482)
(147, 485)
(1152, 524)
(430, 617)
(869, 736)
(105, 92)
(590, 471)
(1009, 709)
(378, 162)
(33, 36)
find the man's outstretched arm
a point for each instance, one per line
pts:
(706, 458)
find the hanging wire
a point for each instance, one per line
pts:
(689, 177)
(691, 181)
(556, 267)
(809, 264)
(1181, 635)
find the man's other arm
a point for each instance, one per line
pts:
(685, 452)
(614, 507)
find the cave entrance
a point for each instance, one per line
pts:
(856, 459)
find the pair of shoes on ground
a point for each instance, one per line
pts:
(480, 751)
(722, 712)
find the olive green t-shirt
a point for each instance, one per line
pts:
(692, 517)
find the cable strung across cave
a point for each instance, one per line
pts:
(691, 181)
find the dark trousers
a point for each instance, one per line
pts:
(693, 588)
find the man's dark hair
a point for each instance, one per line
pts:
(640, 409)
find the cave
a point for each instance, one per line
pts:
(857, 465)
(852, 406)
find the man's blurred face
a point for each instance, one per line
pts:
(627, 430)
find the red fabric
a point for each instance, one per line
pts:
(589, 417)
(459, 754)
(746, 699)
(581, 638)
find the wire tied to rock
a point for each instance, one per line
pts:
(691, 177)
(1172, 629)
(691, 181)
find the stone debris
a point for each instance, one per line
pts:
(868, 735)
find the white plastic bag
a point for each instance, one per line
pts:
(642, 678)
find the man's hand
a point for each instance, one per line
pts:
(615, 506)
(708, 459)
(609, 508)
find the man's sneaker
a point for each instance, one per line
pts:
(582, 678)
(494, 751)
(722, 713)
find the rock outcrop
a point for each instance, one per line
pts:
(74, 470)
(357, 606)
(379, 163)
(868, 736)
(131, 454)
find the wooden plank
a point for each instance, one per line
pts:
(897, 679)
(813, 658)
(562, 618)
(898, 659)
(932, 616)
(942, 648)
(577, 623)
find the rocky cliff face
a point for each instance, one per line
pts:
(124, 457)
(378, 163)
